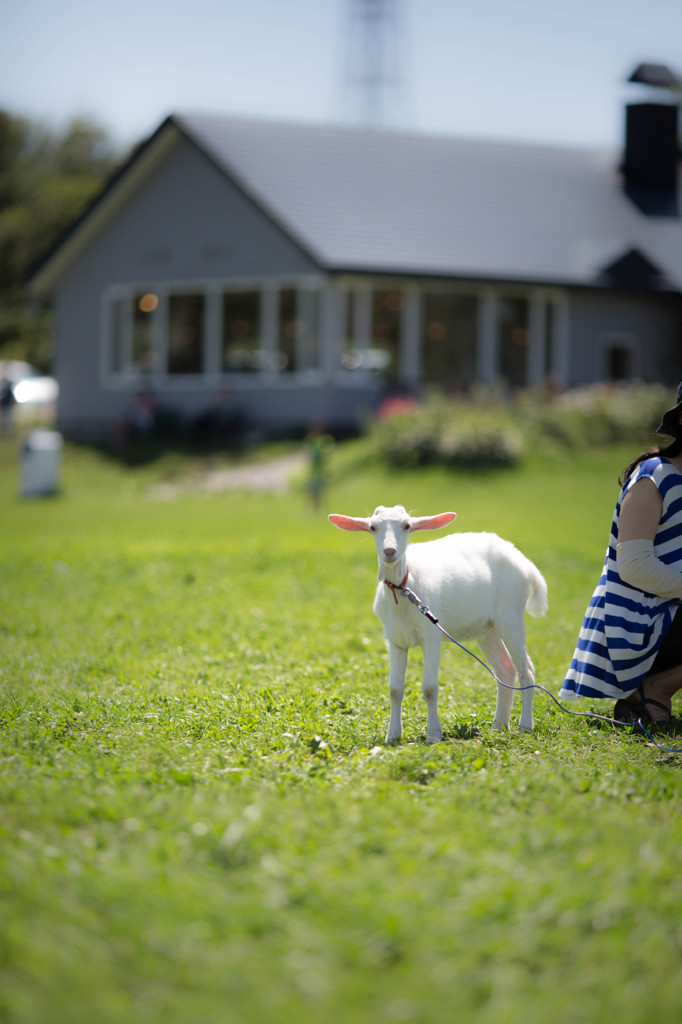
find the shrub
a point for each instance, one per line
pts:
(487, 430)
(599, 414)
(464, 432)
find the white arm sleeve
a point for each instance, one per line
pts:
(638, 566)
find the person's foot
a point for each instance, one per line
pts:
(657, 702)
(641, 704)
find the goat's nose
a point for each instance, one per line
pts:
(389, 554)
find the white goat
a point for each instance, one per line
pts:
(476, 584)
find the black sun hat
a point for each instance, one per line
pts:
(670, 424)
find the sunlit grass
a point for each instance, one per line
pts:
(200, 820)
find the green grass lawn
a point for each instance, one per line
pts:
(199, 819)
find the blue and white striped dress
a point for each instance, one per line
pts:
(623, 626)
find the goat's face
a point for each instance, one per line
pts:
(391, 528)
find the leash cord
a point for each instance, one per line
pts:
(426, 611)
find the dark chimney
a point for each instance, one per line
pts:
(652, 153)
(652, 156)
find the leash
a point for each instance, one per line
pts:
(426, 611)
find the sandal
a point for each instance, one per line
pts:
(628, 713)
(657, 704)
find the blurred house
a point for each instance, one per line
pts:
(301, 272)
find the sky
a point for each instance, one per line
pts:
(543, 71)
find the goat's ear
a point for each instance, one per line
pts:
(349, 522)
(433, 522)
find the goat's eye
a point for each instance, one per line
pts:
(406, 526)
(372, 528)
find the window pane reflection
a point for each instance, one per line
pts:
(241, 332)
(310, 345)
(185, 334)
(513, 341)
(449, 340)
(287, 330)
(387, 307)
(143, 309)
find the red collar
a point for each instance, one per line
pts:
(397, 586)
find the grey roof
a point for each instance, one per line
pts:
(382, 201)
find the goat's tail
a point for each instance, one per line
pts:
(537, 603)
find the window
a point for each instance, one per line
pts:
(372, 331)
(143, 309)
(449, 340)
(185, 334)
(620, 356)
(549, 341)
(351, 354)
(241, 348)
(287, 331)
(130, 333)
(387, 309)
(619, 363)
(442, 336)
(298, 330)
(240, 332)
(513, 341)
(310, 345)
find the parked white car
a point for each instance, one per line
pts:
(34, 392)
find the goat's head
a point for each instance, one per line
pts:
(391, 528)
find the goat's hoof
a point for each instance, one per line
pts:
(436, 738)
(525, 728)
(500, 726)
(390, 740)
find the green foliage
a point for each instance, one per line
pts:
(487, 430)
(468, 433)
(46, 180)
(200, 821)
(600, 414)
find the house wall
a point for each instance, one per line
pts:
(187, 223)
(647, 325)
(188, 226)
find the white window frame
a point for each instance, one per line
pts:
(334, 298)
(212, 375)
(358, 289)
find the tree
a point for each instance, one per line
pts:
(46, 180)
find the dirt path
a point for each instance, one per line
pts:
(272, 477)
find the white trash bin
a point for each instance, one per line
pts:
(40, 463)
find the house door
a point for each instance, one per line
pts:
(620, 358)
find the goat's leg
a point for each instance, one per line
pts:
(515, 640)
(396, 689)
(495, 652)
(527, 679)
(431, 650)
